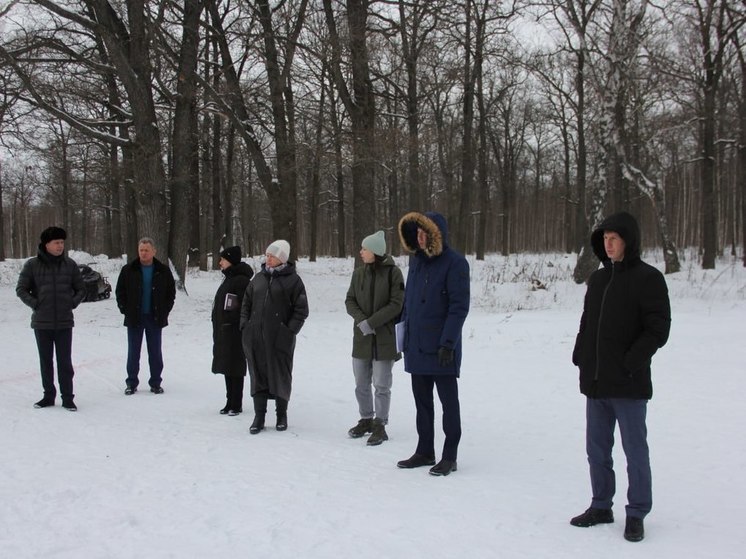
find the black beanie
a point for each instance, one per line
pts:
(52, 234)
(232, 254)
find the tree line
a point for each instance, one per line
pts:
(205, 124)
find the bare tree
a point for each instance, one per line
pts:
(360, 105)
(185, 146)
(580, 15)
(742, 139)
(128, 44)
(280, 186)
(418, 19)
(611, 80)
(715, 30)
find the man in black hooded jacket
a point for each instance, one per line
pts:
(626, 318)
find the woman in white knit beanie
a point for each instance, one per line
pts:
(273, 312)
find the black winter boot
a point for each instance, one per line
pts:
(282, 414)
(228, 398)
(44, 403)
(416, 461)
(634, 530)
(260, 410)
(69, 405)
(593, 516)
(443, 468)
(363, 427)
(379, 433)
(258, 424)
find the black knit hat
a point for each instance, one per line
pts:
(52, 234)
(232, 254)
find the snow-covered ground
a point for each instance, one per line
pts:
(167, 476)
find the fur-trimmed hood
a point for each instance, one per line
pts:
(433, 223)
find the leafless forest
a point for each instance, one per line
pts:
(210, 123)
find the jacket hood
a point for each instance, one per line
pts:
(387, 260)
(46, 257)
(381, 263)
(626, 226)
(433, 223)
(240, 269)
(288, 269)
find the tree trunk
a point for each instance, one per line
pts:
(131, 218)
(113, 213)
(360, 105)
(709, 209)
(185, 148)
(239, 114)
(2, 216)
(657, 197)
(232, 230)
(316, 170)
(741, 180)
(218, 214)
(129, 48)
(461, 226)
(570, 241)
(283, 194)
(410, 39)
(484, 187)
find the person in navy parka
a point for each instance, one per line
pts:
(436, 302)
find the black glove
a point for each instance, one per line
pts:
(445, 357)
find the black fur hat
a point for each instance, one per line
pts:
(52, 234)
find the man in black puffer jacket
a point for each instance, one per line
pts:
(52, 286)
(626, 318)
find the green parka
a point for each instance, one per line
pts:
(376, 294)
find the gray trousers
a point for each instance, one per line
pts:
(378, 374)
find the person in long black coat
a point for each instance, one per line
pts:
(273, 311)
(227, 350)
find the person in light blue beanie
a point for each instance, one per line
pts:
(375, 243)
(374, 301)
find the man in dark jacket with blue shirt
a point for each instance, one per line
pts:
(626, 318)
(145, 296)
(52, 286)
(436, 302)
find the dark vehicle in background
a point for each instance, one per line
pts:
(97, 287)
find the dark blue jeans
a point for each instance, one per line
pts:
(134, 346)
(601, 418)
(49, 342)
(422, 389)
